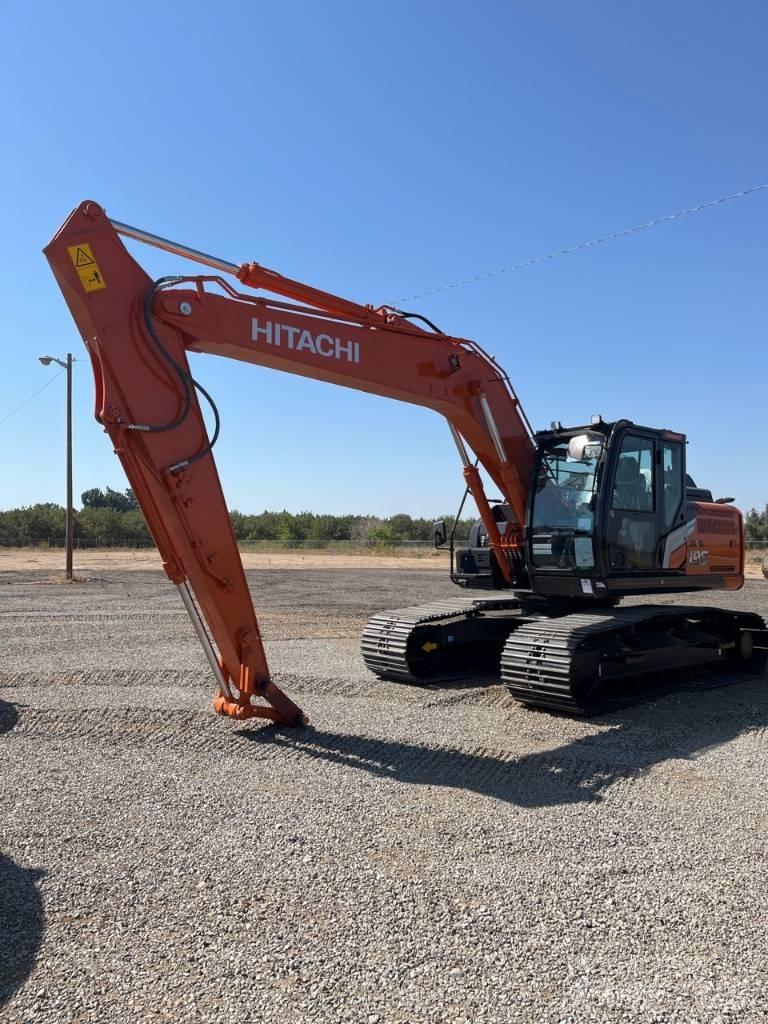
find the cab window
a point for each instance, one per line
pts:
(633, 489)
(672, 475)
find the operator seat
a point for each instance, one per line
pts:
(629, 491)
(634, 539)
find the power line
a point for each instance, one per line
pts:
(587, 245)
(33, 395)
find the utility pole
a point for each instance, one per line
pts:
(70, 514)
(70, 525)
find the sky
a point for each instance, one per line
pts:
(379, 150)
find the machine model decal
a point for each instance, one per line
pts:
(86, 266)
(675, 539)
(699, 557)
(299, 339)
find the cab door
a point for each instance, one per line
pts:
(647, 503)
(633, 516)
(672, 492)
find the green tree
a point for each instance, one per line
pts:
(119, 501)
(380, 536)
(33, 524)
(401, 526)
(756, 526)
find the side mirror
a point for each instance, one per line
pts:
(439, 531)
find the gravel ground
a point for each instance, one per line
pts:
(419, 855)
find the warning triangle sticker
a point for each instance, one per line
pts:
(82, 259)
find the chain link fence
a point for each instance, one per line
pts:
(84, 543)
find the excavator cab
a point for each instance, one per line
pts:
(608, 500)
(609, 506)
(593, 511)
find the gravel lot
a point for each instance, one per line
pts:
(419, 855)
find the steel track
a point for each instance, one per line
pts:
(558, 663)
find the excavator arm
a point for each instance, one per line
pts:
(138, 333)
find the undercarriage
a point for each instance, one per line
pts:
(558, 661)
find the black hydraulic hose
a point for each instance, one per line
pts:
(160, 428)
(418, 316)
(217, 426)
(187, 382)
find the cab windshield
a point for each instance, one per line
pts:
(564, 491)
(563, 510)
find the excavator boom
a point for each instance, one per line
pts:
(138, 333)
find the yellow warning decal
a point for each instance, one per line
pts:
(86, 266)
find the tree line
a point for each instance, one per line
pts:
(112, 518)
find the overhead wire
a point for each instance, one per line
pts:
(33, 395)
(586, 245)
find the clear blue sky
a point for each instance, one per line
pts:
(379, 149)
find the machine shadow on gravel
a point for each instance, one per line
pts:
(634, 732)
(9, 716)
(22, 923)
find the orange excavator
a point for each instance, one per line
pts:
(587, 514)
